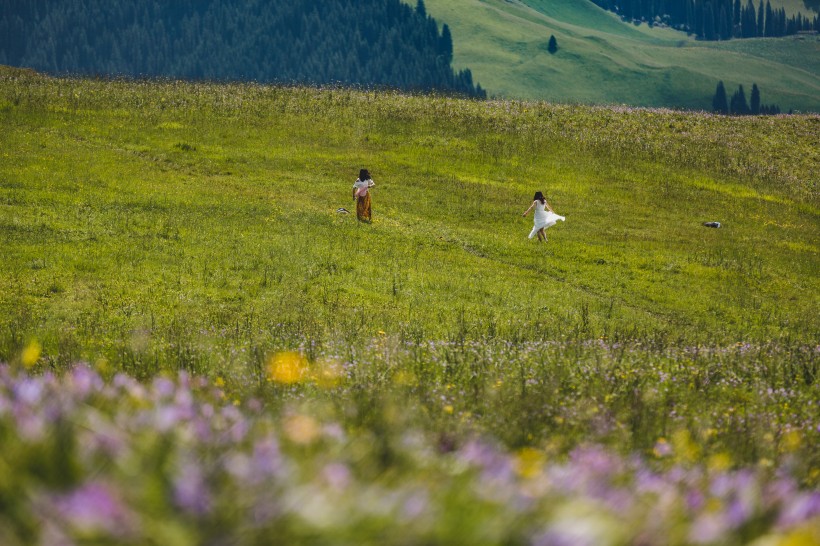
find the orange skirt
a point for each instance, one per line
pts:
(363, 207)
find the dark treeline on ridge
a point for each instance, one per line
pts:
(716, 19)
(358, 42)
(738, 106)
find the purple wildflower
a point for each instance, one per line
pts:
(95, 508)
(190, 489)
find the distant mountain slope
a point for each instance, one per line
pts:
(715, 19)
(601, 59)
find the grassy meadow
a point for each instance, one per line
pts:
(602, 60)
(794, 6)
(199, 349)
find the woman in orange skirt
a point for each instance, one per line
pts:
(361, 194)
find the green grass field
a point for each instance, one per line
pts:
(176, 221)
(602, 60)
(793, 6)
(189, 231)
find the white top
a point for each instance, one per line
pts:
(361, 186)
(540, 216)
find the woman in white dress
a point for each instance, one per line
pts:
(544, 216)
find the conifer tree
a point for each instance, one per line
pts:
(780, 24)
(725, 26)
(720, 104)
(738, 105)
(552, 46)
(420, 8)
(736, 11)
(760, 22)
(769, 27)
(690, 15)
(755, 100)
(749, 21)
(446, 44)
(709, 30)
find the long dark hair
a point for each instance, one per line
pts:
(539, 197)
(364, 174)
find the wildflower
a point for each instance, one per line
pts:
(662, 448)
(581, 524)
(719, 461)
(31, 354)
(685, 448)
(164, 387)
(286, 367)
(95, 507)
(84, 381)
(791, 441)
(190, 490)
(708, 528)
(337, 475)
(301, 429)
(529, 462)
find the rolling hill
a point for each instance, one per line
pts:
(603, 60)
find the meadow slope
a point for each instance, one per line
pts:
(196, 347)
(182, 208)
(602, 60)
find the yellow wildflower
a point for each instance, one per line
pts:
(286, 367)
(31, 354)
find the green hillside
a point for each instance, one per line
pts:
(795, 6)
(601, 60)
(197, 346)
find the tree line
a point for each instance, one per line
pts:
(715, 19)
(738, 106)
(359, 42)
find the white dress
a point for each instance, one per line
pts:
(544, 218)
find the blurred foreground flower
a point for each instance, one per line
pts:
(327, 374)
(172, 462)
(31, 354)
(287, 367)
(662, 448)
(529, 462)
(95, 509)
(301, 429)
(581, 523)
